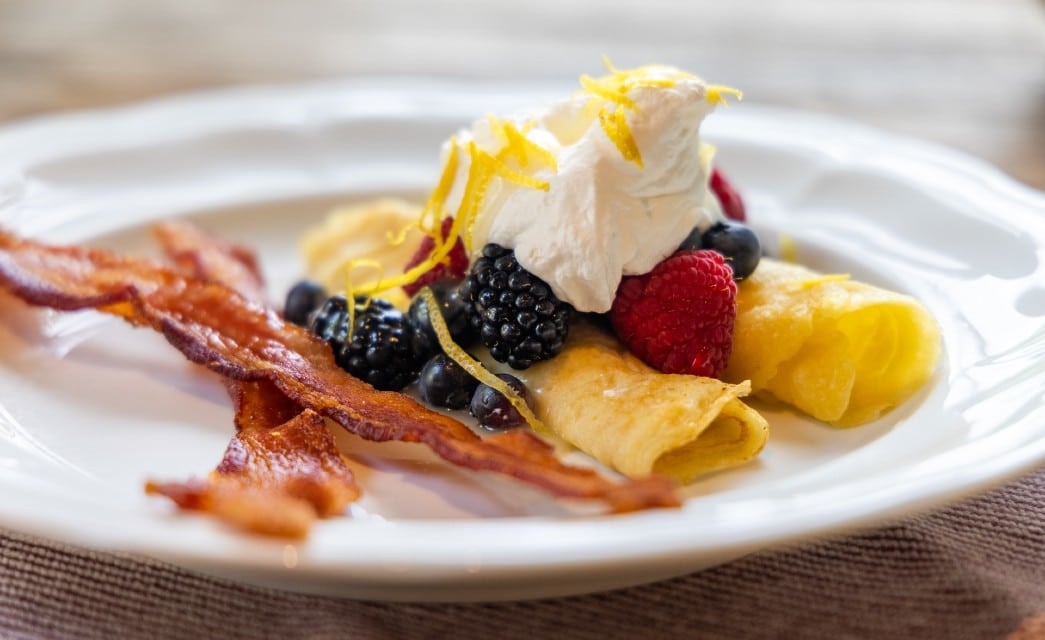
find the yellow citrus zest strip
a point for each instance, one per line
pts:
(433, 208)
(607, 88)
(615, 125)
(473, 366)
(350, 266)
(479, 176)
(611, 100)
(497, 127)
(497, 167)
(716, 94)
(481, 171)
(513, 147)
(518, 146)
(824, 279)
(399, 237)
(440, 252)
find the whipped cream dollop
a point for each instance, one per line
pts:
(617, 177)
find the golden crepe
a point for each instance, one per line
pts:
(362, 232)
(594, 395)
(842, 351)
(606, 402)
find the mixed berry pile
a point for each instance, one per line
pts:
(678, 318)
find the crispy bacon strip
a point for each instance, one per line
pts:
(272, 480)
(282, 468)
(259, 404)
(214, 326)
(198, 254)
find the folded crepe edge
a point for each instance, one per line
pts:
(694, 426)
(736, 435)
(822, 313)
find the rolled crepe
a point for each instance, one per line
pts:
(844, 352)
(609, 404)
(362, 232)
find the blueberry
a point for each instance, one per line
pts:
(444, 383)
(302, 300)
(455, 312)
(737, 243)
(692, 241)
(492, 410)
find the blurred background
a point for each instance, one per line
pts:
(966, 73)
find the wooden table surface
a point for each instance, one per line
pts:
(969, 74)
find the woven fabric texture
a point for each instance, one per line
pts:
(975, 570)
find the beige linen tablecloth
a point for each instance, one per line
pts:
(976, 570)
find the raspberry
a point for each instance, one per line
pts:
(732, 204)
(679, 317)
(455, 270)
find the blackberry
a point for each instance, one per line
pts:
(518, 317)
(381, 350)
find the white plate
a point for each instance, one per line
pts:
(89, 408)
